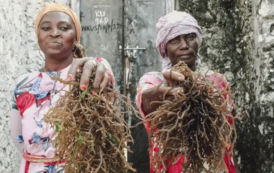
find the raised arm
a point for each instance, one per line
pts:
(153, 88)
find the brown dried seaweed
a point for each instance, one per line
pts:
(90, 132)
(194, 123)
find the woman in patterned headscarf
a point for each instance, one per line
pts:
(58, 31)
(178, 39)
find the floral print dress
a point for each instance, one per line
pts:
(152, 79)
(35, 93)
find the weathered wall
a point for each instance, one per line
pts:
(238, 42)
(19, 53)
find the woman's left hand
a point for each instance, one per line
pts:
(102, 81)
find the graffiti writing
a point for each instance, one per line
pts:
(107, 28)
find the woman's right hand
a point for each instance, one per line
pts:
(103, 76)
(160, 92)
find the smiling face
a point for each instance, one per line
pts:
(56, 35)
(183, 48)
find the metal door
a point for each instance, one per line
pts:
(124, 32)
(101, 22)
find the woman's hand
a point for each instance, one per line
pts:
(102, 79)
(160, 92)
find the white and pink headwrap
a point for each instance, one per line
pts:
(172, 25)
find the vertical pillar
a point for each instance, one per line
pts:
(170, 5)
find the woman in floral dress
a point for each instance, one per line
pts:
(58, 31)
(178, 38)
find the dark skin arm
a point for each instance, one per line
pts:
(160, 92)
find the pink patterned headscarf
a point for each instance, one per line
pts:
(170, 26)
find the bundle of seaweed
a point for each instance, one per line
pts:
(195, 122)
(90, 132)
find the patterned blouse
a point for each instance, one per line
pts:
(152, 79)
(35, 93)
